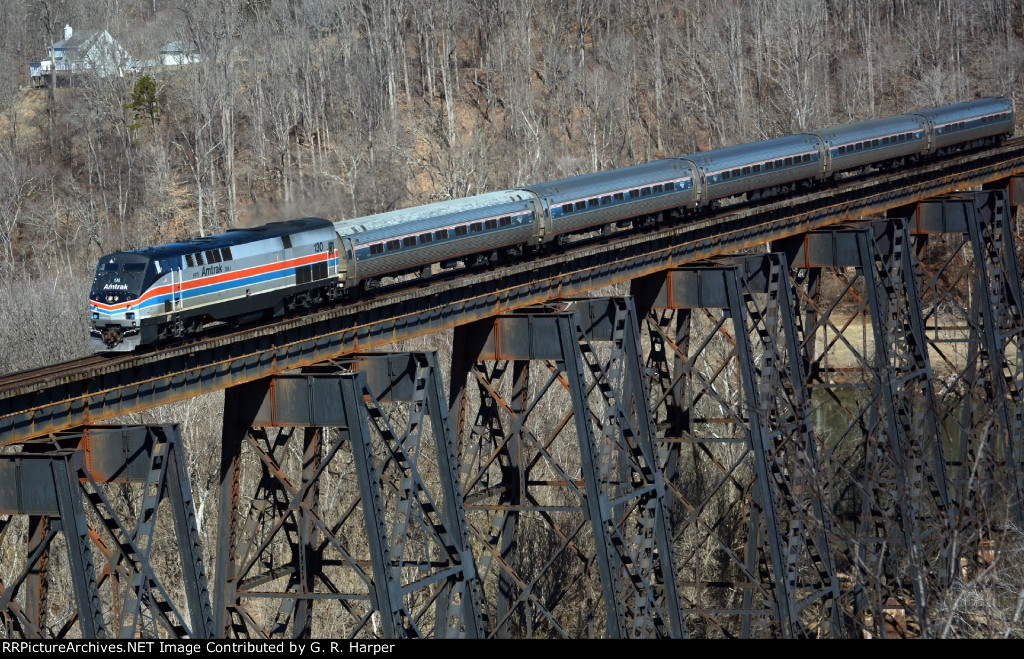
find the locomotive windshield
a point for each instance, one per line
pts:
(121, 277)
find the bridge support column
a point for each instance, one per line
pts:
(976, 325)
(358, 532)
(560, 473)
(736, 398)
(889, 459)
(56, 488)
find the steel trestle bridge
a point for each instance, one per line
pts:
(650, 464)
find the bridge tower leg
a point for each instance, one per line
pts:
(359, 532)
(887, 473)
(57, 482)
(975, 324)
(560, 473)
(736, 397)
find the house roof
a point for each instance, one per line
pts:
(179, 47)
(79, 41)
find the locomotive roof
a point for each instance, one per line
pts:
(235, 237)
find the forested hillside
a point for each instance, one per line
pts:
(340, 108)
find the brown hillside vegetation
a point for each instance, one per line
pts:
(343, 108)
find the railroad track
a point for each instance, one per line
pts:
(96, 387)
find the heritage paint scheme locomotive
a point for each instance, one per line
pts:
(145, 296)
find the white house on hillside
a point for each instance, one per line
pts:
(179, 53)
(94, 51)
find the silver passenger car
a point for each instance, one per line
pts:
(736, 170)
(581, 203)
(406, 240)
(877, 140)
(969, 124)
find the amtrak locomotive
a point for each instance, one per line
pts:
(146, 296)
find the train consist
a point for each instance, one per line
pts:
(147, 296)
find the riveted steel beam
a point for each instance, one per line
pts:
(744, 372)
(890, 454)
(553, 455)
(153, 457)
(975, 326)
(45, 486)
(402, 567)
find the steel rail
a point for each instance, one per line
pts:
(55, 398)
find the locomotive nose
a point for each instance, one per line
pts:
(112, 335)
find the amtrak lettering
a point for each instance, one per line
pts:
(115, 287)
(213, 270)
